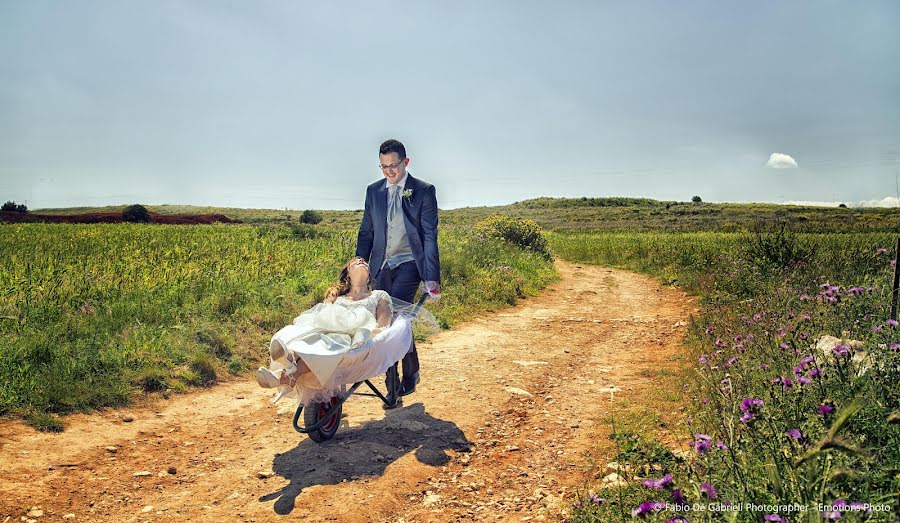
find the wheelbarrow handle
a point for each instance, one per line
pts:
(420, 303)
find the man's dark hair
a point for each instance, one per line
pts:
(393, 146)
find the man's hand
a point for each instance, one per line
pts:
(433, 289)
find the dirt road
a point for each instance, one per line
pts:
(510, 407)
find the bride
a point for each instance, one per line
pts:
(347, 338)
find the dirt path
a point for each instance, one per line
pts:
(500, 429)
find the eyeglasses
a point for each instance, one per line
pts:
(392, 166)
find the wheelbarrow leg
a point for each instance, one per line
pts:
(392, 382)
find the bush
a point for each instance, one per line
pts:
(310, 217)
(136, 214)
(777, 246)
(11, 206)
(203, 369)
(696, 199)
(524, 233)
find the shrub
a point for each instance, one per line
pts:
(304, 231)
(310, 217)
(203, 367)
(136, 214)
(777, 246)
(44, 422)
(696, 199)
(11, 206)
(524, 233)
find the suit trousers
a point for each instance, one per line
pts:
(402, 282)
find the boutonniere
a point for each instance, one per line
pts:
(407, 193)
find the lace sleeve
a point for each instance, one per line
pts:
(383, 296)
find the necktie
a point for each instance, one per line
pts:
(393, 202)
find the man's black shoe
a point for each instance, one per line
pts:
(392, 402)
(408, 386)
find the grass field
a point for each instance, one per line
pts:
(795, 391)
(792, 384)
(94, 314)
(600, 215)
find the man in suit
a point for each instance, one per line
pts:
(398, 237)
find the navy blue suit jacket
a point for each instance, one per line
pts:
(420, 214)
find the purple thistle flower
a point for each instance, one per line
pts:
(834, 515)
(721, 445)
(807, 360)
(895, 346)
(814, 372)
(790, 315)
(803, 380)
(794, 434)
(704, 359)
(802, 336)
(678, 519)
(750, 337)
(709, 329)
(738, 338)
(731, 361)
(807, 317)
(892, 323)
(757, 317)
(775, 517)
(876, 328)
(660, 483)
(646, 507)
(709, 490)
(750, 407)
(596, 499)
(763, 366)
(841, 350)
(825, 409)
(678, 497)
(780, 332)
(702, 443)
(719, 343)
(784, 345)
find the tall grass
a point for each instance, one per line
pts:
(90, 315)
(796, 386)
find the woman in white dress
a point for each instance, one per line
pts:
(347, 338)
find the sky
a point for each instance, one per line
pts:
(282, 104)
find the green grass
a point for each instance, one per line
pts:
(94, 315)
(767, 298)
(592, 214)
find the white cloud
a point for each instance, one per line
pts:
(781, 161)
(888, 201)
(802, 203)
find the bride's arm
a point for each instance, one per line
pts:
(382, 315)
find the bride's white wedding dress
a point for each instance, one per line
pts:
(335, 342)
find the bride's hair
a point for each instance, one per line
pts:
(342, 286)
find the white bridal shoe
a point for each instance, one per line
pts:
(268, 379)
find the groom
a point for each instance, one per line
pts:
(398, 237)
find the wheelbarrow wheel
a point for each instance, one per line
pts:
(315, 412)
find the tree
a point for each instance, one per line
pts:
(136, 213)
(311, 217)
(11, 206)
(843, 206)
(696, 199)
